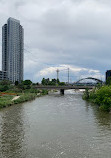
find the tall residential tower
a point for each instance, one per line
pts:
(12, 50)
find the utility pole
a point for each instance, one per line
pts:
(57, 73)
(68, 75)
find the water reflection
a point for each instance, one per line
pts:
(102, 118)
(12, 133)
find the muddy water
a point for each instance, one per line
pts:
(55, 126)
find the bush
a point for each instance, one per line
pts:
(100, 96)
(86, 94)
(105, 108)
(5, 101)
(44, 92)
(4, 88)
(27, 82)
(25, 97)
(103, 95)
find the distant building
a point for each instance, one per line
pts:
(12, 50)
(108, 74)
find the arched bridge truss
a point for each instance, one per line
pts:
(90, 78)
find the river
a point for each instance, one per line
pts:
(55, 126)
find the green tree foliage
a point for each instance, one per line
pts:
(100, 96)
(28, 87)
(103, 95)
(45, 81)
(4, 85)
(58, 81)
(52, 82)
(16, 83)
(27, 82)
(86, 94)
(21, 86)
(4, 88)
(62, 83)
(5, 82)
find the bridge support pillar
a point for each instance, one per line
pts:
(62, 91)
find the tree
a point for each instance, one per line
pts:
(52, 82)
(5, 82)
(21, 86)
(4, 88)
(86, 94)
(62, 83)
(16, 83)
(27, 82)
(45, 81)
(58, 81)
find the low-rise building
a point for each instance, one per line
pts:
(108, 74)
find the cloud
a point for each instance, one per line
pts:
(47, 71)
(74, 72)
(76, 33)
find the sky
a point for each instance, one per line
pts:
(62, 34)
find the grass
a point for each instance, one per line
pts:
(27, 95)
(5, 101)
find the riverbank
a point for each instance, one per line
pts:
(6, 99)
(100, 96)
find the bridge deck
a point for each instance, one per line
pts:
(64, 87)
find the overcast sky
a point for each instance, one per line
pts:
(61, 34)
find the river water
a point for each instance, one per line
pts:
(55, 126)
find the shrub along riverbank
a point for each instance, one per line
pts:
(25, 90)
(6, 100)
(100, 96)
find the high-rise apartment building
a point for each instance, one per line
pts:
(3, 75)
(12, 49)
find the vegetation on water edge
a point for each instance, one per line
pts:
(6, 101)
(100, 96)
(25, 90)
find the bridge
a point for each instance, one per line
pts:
(62, 88)
(91, 78)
